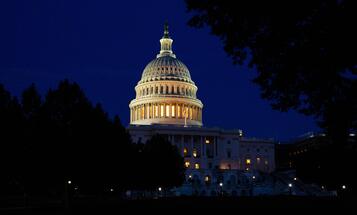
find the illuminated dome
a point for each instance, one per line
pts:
(166, 68)
(166, 94)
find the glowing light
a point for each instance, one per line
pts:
(187, 164)
(253, 177)
(111, 189)
(69, 182)
(221, 184)
(247, 161)
(185, 151)
(207, 178)
(160, 189)
(295, 179)
(197, 165)
(194, 153)
(207, 141)
(290, 185)
(344, 187)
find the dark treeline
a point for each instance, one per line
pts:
(46, 142)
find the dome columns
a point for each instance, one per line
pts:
(144, 113)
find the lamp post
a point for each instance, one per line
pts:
(290, 188)
(66, 193)
(221, 188)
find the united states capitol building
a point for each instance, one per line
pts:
(217, 160)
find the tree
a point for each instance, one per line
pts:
(304, 55)
(11, 143)
(161, 165)
(303, 51)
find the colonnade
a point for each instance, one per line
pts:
(165, 110)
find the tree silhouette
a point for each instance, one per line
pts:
(160, 165)
(304, 55)
(303, 51)
(63, 137)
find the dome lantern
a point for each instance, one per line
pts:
(166, 43)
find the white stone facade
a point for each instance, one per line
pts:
(216, 160)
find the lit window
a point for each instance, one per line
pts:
(167, 110)
(207, 178)
(207, 141)
(178, 111)
(185, 152)
(156, 111)
(162, 110)
(173, 110)
(197, 165)
(258, 160)
(247, 161)
(194, 153)
(187, 164)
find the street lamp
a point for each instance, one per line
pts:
(160, 189)
(69, 182)
(253, 177)
(221, 184)
(295, 179)
(290, 185)
(344, 187)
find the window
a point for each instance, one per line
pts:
(156, 111)
(207, 179)
(185, 152)
(247, 161)
(229, 153)
(197, 166)
(207, 141)
(167, 110)
(209, 165)
(162, 111)
(187, 164)
(173, 110)
(194, 153)
(161, 90)
(258, 160)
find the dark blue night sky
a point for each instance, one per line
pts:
(105, 45)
